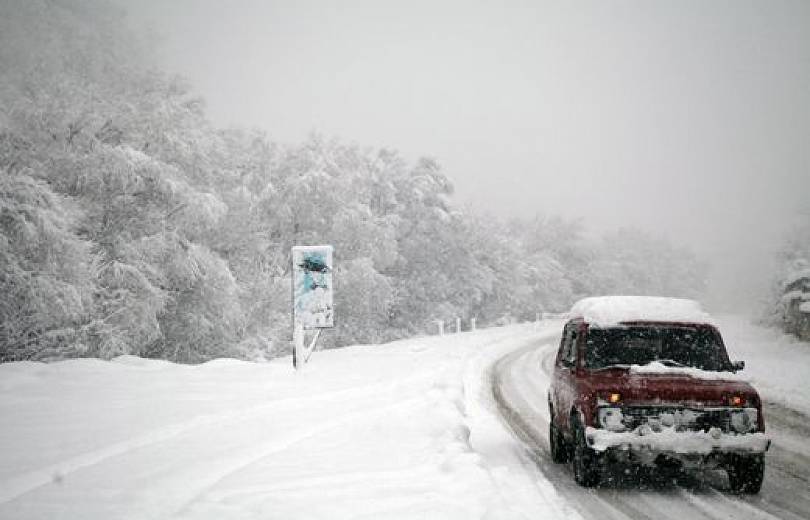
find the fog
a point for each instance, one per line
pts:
(689, 120)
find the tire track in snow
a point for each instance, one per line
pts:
(224, 469)
(19, 485)
(489, 436)
(740, 508)
(233, 467)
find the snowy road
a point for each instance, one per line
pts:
(404, 430)
(411, 429)
(520, 381)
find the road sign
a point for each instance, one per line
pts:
(312, 287)
(313, 296)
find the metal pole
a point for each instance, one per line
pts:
(312, 345)
(298, 345)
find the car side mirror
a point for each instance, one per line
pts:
(738, 365)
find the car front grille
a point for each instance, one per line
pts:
(683, 419)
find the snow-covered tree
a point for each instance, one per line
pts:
(46, 272)
(130, 224)
(630, 261)
(790, 285)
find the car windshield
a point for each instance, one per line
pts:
(697, 347)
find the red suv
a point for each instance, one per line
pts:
(645, 380)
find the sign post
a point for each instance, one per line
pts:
(313, 295)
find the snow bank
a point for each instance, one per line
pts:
(393, 431)
(135, 361)
(608, 311)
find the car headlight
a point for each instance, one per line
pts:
(611, 419)
(744, 421)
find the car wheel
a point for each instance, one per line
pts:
(587, 472)
(745, 473)
(557, 444)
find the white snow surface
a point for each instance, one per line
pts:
(404, 430)
(657, 367)
(610, 311)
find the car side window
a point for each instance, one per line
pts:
(563, 345)
(571, 354)
(567, 351)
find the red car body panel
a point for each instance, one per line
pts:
(579, 390)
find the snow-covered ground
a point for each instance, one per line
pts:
(404, 430)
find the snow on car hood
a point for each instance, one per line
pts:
(656, 383)
(659, 368)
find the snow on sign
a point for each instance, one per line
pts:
(312, 286)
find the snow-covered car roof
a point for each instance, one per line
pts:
(607, 311)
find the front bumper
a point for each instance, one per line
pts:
(678, 444)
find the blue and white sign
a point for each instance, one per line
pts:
(312, 287)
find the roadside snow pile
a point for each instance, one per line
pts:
(391, 431)
(656, 367)
(610, 311)
(670, 440)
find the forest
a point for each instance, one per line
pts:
(131, 224)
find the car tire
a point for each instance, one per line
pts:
(557, 444)
(746, 473)
(587, 470)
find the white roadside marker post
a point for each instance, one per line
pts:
(458, 325)
(472, 323)
(440, 323)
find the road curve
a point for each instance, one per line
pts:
(520, 381)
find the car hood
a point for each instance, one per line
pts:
(687, 387)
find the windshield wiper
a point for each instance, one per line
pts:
(671, 363)
(613, 365)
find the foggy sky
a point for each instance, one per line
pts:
(685, 119)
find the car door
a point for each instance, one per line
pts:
(564, 372)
